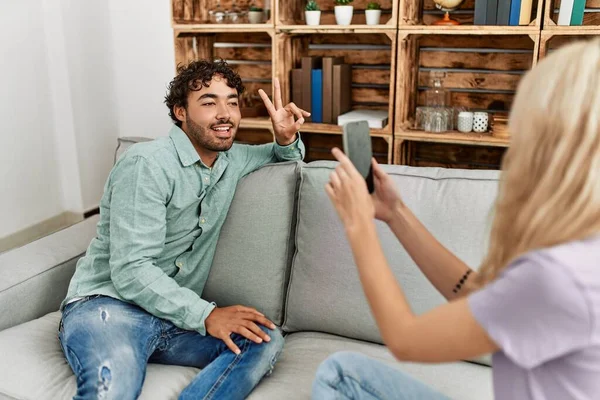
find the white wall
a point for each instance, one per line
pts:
(75, 75)
(144, 64)
(29, 172)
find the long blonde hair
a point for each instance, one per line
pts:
(550, 188)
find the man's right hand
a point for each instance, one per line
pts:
(222, 322)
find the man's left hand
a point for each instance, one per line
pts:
(284, 126)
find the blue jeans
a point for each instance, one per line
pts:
(108, 344)
(347, 375)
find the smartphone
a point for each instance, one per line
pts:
(357, 147)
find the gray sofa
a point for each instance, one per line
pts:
(281, 250)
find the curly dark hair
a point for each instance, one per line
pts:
(195, 75)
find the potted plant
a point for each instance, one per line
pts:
(255, 15)
(312, 13)
(373, 13)
(343, 12)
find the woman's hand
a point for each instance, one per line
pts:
(386, 198)
(348, 192)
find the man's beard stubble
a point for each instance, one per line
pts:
(204, 139)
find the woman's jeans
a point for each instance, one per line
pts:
(347, 375)
(108, 344)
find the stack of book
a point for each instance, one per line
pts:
(323, 87)
(571, 12)
(499, 126)
(503, 12)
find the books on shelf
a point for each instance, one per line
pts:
(377, 119)
(571, 12)
(503, 12)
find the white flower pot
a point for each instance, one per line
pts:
(255, 17)
(312, 17)
(373, 17)
(343, 14)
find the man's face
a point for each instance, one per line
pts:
(212, 116)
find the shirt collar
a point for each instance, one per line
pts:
(184, 147)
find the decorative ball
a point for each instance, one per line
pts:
(448, 5)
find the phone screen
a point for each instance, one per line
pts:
(357, 147)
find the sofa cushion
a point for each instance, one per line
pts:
(123, 143)
(294, 373)
(256, 245)
(38, 274)
(325, 293)
(33, 366)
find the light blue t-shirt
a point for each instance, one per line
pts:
(543, 311)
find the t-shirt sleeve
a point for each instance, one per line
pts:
(535, 311)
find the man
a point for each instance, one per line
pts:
(136, 295)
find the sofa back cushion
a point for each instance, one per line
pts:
(325, 293)
(253, 257)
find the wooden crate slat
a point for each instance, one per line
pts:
(253, 71)
(456, 156)
(371, 95)
(511, 42)
(474, 80)
(244, 53)
(368, 57)
(252, 87)
(473, 60)
(243, 38)
(363, 38)
(319, 147)
(479, 101)
(369, 76)
(253, 136)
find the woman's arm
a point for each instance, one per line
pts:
(448, 273)
(447, 333)
(443, 269)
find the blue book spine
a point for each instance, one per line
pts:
(317, 96)
(515, 12)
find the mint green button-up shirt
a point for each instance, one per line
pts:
(160, 218)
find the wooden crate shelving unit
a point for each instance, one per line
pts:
(392, 63)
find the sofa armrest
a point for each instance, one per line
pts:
(34, 278)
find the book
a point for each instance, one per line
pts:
(308, 64)
(503, 12)
(342, 90)
(317, 96)
(480, 17)
(492, 12)
(376, 119)
(565, 11)
(297, 87)
(525, 14)
(328, 63)
(515, 12)
(577, 14)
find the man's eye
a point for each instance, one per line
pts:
(234, 103)
(208, 104)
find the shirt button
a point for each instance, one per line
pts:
(179, 264)
(206, 179)
(203, 220)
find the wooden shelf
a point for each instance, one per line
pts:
(475, 139)
(393, 64)
(468, 30)
(336, 29)
(201, 28)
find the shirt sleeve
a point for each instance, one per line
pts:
(137, 237)
(255, 156)
(535, 311)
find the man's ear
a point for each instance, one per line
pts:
(180, 113)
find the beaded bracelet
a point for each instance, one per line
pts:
(462, 281)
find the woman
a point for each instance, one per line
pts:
(535, 301)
